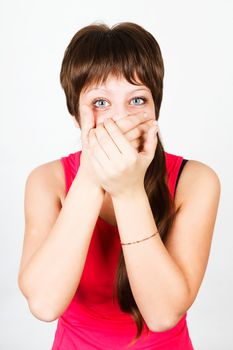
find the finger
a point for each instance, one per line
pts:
(107, 143)
(98, 153)
(118, 138)
(138, 131)
(131, 121)
(135, 143)
(88, 122)
(151, 140)
(95, 164)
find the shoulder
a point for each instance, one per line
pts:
(197, 177)
(49, 175)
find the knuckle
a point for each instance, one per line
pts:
(134, 143)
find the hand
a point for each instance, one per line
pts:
(86, 168)
(118, 166)
(134, 128)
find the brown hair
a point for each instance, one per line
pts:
(124, 50)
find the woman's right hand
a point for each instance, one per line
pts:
(133, 126)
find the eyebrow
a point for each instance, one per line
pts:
(106, 90)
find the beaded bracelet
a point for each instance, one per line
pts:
(141, 239)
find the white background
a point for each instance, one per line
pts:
(195, 121)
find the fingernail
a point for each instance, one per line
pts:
(145, 115)
(155, 122)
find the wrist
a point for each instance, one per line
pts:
(130, 193)
(88, 183)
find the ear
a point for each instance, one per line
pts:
(75, 122)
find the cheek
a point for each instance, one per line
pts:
(151, 108)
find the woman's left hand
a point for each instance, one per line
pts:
(119, 167)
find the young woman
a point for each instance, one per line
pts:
(115, 246)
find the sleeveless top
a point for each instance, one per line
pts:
(93, 319)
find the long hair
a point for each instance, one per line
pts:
(127, 50)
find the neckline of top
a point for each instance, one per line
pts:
(113, 227)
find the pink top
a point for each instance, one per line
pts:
(93, 320)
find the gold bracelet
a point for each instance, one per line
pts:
(141, 239)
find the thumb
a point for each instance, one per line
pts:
(88, 122)
(151, 141)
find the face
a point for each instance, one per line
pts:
(117, 98)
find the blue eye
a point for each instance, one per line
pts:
(139, 98)
(101, 105)
(101, 101)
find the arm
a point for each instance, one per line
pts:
(165, 278)
(57, 240)
(51, 276)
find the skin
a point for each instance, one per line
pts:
(114, 100)
(179, 263)
(118, 166)
(41, 267)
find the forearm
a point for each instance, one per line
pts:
(51, 277)
(158, 285)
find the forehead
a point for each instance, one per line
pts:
(113, 83)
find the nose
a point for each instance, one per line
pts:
(119, 116)
(120, 111)
(115, 115)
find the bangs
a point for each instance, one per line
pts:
(111, 52)
(97, 51)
